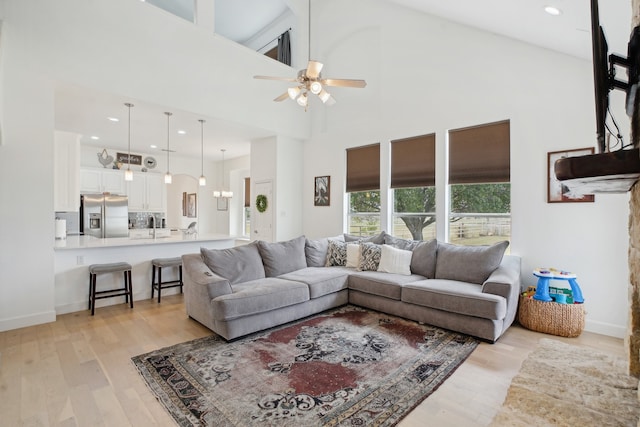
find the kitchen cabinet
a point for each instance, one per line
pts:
(66, 176)
(147, 192)
(96, 180)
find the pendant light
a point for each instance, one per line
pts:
(202, 181)
(222, 193)
(167, 176)
(128, 174)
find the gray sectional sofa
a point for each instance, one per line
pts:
(237, 291)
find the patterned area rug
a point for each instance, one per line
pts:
(348, 366)
(564, 385)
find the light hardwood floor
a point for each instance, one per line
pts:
(77, 371)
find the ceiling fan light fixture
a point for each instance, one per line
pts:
(324, 96)
(315, 87)
(293, 92)
(302, 100)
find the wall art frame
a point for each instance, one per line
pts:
(322, 191)
(556, 191)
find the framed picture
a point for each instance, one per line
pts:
(192, 205)
(223, 203)
(184, 203)
(322, 191)
(556, 191)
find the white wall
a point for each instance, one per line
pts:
(429, 75)
(122, 47)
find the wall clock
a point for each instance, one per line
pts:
(150, 162)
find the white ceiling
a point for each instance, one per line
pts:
(85, 112)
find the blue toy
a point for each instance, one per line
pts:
(546, 274)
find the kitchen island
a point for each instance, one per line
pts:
(74, 254)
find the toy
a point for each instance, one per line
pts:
(546, 274)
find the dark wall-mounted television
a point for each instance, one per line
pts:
(600, 75)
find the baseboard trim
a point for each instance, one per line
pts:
(26, 321)
(603, 328)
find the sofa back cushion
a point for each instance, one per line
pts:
(376, 238)
(238, 264)
(283, 257)
(471, 264)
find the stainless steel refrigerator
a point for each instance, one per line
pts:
(104, 215)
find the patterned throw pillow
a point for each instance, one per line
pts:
(370, 257)
(336, 253)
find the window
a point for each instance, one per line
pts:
(479, 184)
(413, 183)
(363, 189)
(246, 219)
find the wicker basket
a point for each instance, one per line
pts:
(565, 320)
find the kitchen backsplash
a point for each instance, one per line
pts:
(143, 220)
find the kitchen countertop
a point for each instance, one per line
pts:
(90, 242)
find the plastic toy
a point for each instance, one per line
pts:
(546, 274)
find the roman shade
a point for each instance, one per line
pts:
(363, 168)
(479, 154)
(413, 162)
(247, 192)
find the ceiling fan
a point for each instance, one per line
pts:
(310, 80)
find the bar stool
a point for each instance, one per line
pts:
(159, 264)
(127, 290)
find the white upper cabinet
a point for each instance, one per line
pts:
(96, 180)
(147, 192)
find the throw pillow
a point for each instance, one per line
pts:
(337, 253)
(238, 264)
(370, 258)
(471, 264)
(423, 260)
(283, 257)
(316, 252)
(394, 260)
(353, 255)
(376, 238)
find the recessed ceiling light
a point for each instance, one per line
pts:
(113, 119)
(153, 146)
(95, 138)
(182, 132)
(551, 10)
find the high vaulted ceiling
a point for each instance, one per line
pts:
(85, 112)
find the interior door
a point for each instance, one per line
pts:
(262, 222)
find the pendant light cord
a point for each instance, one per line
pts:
(201, 147)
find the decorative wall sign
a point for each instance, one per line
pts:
(322, 192)
(124, 158)
(556, 191)
(192, 205)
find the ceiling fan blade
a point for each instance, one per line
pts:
(313, 69)
(344, 82)
(282, 97)
(284, 79)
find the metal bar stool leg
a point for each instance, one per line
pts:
(153, 279)
(130, 289)
(180, 273)
(159, 282)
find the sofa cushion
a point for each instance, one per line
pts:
(423, 260)
(471, 264)
(238, 264)
(386, 285)
(259, 296)
(456, 297)
(283, 257)
(321, 280)
(336, 254)
(316, 252)
(376, 238)
(394, 260)
(370, 257)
